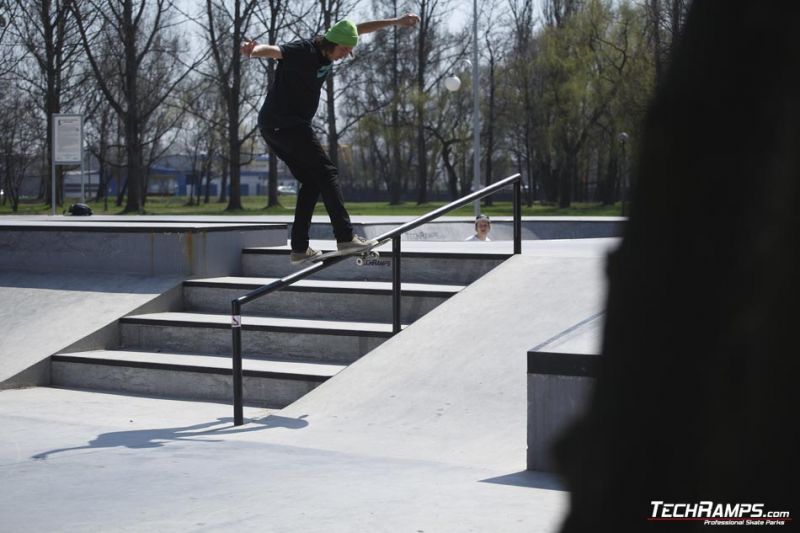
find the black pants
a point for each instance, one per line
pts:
(300, 149)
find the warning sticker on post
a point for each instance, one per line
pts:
(67, 139)
(236, 321)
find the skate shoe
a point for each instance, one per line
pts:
(298, 258)
(355, 244)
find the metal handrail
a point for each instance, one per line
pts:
(393, 235)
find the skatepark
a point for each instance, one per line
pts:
(115, 373)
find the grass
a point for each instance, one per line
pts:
(254, 206)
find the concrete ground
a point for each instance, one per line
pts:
(425, 434)
(83, 461)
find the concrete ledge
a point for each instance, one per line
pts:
(131, 227)
(561, 376)
(447, 228)
(554, 402)
(188, 249)
(459, 228)
(562, 364)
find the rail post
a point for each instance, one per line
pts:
(517, 216)
(396, 284)
(236, 329)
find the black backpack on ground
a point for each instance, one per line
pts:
(80, 210)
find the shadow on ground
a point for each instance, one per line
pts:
(156, 438)
(530, 479)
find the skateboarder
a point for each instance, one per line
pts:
(285, 123)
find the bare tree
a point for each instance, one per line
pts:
(100, 131)
(201, 136)
(273, 17)
(226, 25)
(17, 135)
(330, 12)
(558, 12)
(666, 19)
(8, 59)
(395, 115)
(376, 91)
(428, 10)
(519, 65)
(135, 31)
(450, 130)
(48, 32)
(494, 55)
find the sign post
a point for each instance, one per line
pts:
(67, 146)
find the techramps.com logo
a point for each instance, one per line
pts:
(718, 514)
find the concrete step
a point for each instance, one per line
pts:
(317, 299)
(455, 267)
(267, 383)
(327, 341)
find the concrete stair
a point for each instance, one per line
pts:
(262, 337)
(359, 301)
(461, 268)
(292, 340)
(203, 377)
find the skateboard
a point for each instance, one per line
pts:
(364, 254)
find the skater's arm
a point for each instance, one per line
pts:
(253, 49)
(406, 21)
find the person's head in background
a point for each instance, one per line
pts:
(482, 227)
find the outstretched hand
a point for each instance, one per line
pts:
(408, 20)
(247, 48)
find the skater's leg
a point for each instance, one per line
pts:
(301, 150)
(307, 197)
(331, 193)
(285, 144)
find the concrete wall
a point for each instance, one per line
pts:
(133, 248)
(459, 228)
(553, 403)
(559, 391)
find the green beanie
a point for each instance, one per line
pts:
(344, 33)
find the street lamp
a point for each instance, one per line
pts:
(623, 140)
(476, 110)
(453, 83)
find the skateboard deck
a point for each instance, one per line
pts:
(363, 254)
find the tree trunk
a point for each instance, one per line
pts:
(395, 168)
(422, 149)
(234, 146)
(490, 124)
(272, 180)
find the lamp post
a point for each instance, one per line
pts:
(453, 83)
(623, 140)
(476, 116)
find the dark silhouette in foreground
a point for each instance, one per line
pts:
(697, 395)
